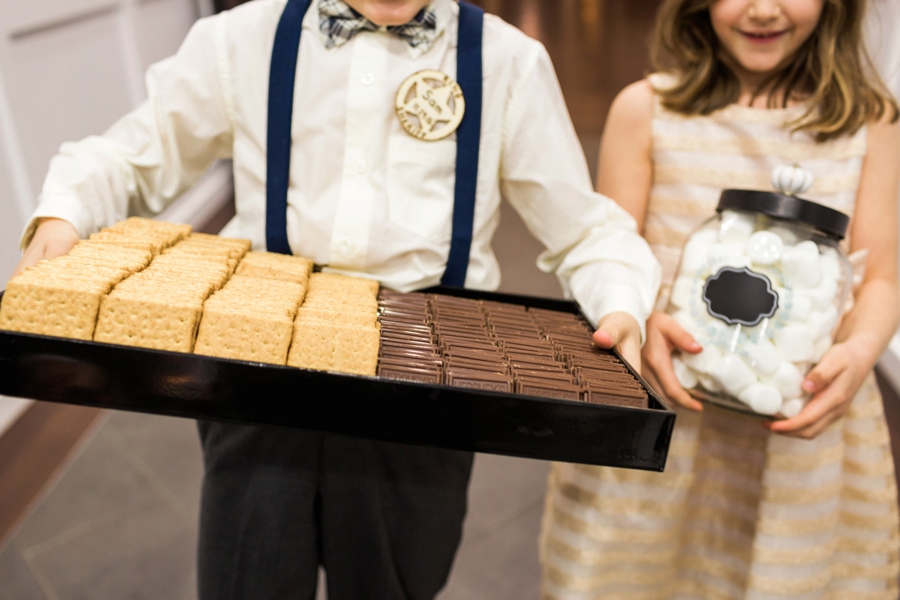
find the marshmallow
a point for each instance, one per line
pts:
(733, 374)
(801, 265)
(785, 233)
(735, 226)
(821, 323)
(787, 380)
(763, 357)
(821, 346)
(696, 251)
(727, 254)
(709, 383)
(822, 296)
(797, 305)
(684, 290)
(795, 342)
(712, 330)
(704, 361)
(684, 374)
(764, 248)
(763, 399)
(791, 408)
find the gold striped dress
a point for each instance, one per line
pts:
(739, 513)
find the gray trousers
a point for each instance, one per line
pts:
(383, 519)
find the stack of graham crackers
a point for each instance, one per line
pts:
(160, 307)
(158, 285)
(62, 297)
(336, 328)
(252, 317)
(142, 234)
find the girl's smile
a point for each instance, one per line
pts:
(763, 37)
(760, 36)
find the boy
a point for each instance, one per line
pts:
(389, 132)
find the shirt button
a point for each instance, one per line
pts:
(347, 248)
(368, 79)
(361, 166)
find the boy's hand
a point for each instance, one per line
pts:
(664, 335)
(834, 383)
(621, 330)
(52, 238)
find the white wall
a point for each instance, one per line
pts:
(69, 68)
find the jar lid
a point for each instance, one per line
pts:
(827, 220)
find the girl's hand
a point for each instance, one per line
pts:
(52, 238)
(834, 383)
(621, 330)
(665, 335)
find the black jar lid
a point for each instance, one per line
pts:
(827, 220)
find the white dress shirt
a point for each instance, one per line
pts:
(365, 197)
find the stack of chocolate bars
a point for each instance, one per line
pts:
(407, 344)
(493, 346)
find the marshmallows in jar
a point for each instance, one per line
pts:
(761, 286)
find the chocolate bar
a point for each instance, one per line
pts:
(487, 345)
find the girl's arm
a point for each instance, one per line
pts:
(625, 170)
(625, 174)
(867, 329)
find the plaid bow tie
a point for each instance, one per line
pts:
(340, 23)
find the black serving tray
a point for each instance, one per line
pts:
(199, 387)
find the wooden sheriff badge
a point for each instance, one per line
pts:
(430, 105)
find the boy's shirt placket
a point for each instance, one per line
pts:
(368, 97)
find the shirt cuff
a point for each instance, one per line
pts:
(58, 207)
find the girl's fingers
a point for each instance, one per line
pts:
(678, 338)
(811, 431)
(831, 365)
(833, 399)
(660, 364)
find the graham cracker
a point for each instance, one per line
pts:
(329, 346)
(244, 336)
(356, 350)
(62, 308)
(261, 271)
(355, 318)
(312, 346)
(148, 322)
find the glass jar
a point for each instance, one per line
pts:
(761, 286)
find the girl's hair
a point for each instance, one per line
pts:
(831, 69)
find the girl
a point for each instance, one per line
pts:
(801, 508)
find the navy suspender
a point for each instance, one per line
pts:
(282, 73)
(468, 142)
(468, 136)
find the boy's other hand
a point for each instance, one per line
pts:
(52, 238)
(622, 331)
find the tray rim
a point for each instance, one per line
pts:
(567, 305)
(658, 415)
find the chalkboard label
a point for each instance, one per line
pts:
(740, 296)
